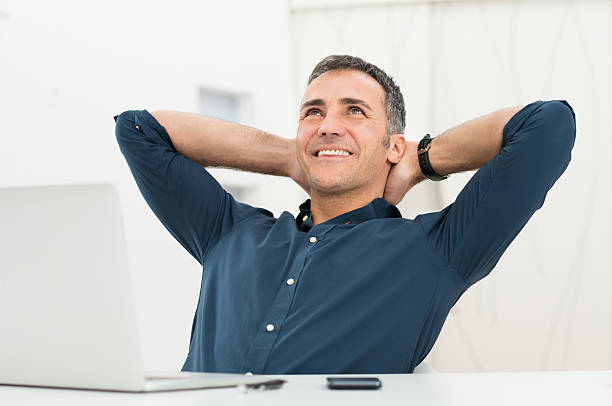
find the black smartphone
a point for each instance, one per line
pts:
(353, 383)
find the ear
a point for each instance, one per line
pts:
(397, 145)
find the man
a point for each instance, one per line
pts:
(347, 286)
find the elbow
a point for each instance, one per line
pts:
(563, 120)
(560, 120)
(126, 127)
(120, 126)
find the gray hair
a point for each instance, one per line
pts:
(394, 101)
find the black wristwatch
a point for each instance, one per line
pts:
(423, 153)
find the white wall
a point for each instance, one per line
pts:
(547, 305)
(67, 67)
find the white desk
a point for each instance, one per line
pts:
(527, 388)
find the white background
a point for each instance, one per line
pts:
(66, 68)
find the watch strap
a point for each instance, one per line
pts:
(423, 154)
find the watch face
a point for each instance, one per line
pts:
(424, 145)
(425, 140)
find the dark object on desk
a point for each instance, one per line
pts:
(273, 384)
(354, 383)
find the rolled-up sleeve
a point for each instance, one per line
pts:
(472, 233)
(188, 201)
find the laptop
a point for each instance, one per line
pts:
(67, 314)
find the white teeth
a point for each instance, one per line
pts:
(332, 152)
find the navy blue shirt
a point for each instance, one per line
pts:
(364, 292)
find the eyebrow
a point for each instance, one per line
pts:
(350, 100)
(344, 100)
(313, 102)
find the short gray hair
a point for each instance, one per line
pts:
(394, 101)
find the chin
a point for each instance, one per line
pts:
(331, 186)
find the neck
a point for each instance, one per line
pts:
(325, 206)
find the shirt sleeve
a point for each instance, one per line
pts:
(472, 233)
(188, 201)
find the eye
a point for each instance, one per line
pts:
(355, 110)
(313, 112)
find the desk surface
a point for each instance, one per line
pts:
(525, 388)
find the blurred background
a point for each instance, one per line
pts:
(67, 67)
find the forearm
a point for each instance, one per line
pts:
(214, 142)
(471, 144)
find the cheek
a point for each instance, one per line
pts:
(308, 127)
(301, 145)
(375, 156)
(305, 133)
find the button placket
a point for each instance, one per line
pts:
(263, 342)
(256, 358)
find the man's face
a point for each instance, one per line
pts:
(341, 130)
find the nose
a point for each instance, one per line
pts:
(331, 125)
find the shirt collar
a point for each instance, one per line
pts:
(378, 208)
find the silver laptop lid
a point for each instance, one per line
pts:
(67, 315)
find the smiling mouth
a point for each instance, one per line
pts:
(332, 153)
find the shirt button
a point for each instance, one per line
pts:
(290, 281)
(313, 239)
(249, 373)
(270, 327)
(304, 218)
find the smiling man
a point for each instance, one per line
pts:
(347, 286)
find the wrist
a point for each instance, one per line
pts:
(290, 159)
(415, 169)
(424, 159)
(292, 168)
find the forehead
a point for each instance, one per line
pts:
(338, 84)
